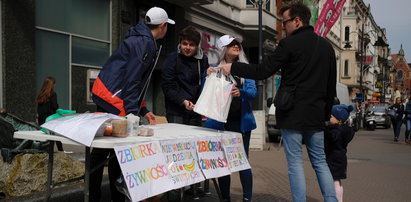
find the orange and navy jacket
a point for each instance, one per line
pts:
(120, 85)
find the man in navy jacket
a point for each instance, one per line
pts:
(120, 87)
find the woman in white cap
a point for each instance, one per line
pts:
(240, 117)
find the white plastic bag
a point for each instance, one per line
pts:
(215, 99)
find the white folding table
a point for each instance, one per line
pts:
(161, 132)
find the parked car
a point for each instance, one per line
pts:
(380, 114)
(273, 131)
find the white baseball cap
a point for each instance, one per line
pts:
(226, 40)
(156, 16)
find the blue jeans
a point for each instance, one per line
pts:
(314, 141)
(396, 126)
(408, 130)
(246, 176)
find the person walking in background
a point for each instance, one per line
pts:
(308, 73)
(396, 119)
(337, 135)
(240, 116)
(47, 103)
(182, 78)
(407, 112)
(121, 85)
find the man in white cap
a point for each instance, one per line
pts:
(121, 85)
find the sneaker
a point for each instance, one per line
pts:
(246, 200)
(395, 139)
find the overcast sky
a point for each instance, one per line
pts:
(395, 16)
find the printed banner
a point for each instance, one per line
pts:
(211, 157)
(234, 152)
(329, 15)
(181, 161)
(144, 169)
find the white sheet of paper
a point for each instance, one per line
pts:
(144, 169)
(234, 152)
(211, 157)
(81, 128)
(182, 163)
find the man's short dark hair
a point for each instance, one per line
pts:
(298, 10)
(191, 34)
(151, 27)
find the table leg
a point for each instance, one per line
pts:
(87, 176)
(50, 170)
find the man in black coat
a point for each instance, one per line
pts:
(307, 63)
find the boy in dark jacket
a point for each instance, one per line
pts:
(182, 78)
(336, 138)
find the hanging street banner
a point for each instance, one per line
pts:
(234, 152)
(329, 15)
(211, 157)
(144, 169)
(181, 161)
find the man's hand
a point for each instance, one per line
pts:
(211, 70)
(151, 118)
(226, 69)
(235, 92)
(188, 105)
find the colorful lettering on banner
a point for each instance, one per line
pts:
(234, 151)
(211, 157)
(329, 15)
(145, 169)
(181, 161)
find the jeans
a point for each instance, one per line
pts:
(314, 141)
(246, 176)
(408, 130)
(396, 126)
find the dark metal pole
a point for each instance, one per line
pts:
(362, 57)
(260, 85)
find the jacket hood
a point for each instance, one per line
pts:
(140, 29)
(198, 55)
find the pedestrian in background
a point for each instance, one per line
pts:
(182, 78)
(337, 135)
(47, 103)
(120, 88)
(308, 73)
(407, 118)
(396, 119)
(240, 116)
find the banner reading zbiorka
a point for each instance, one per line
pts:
(211, 157)
(181, 162)
(234, 152)
(144, 169)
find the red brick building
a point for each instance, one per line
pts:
(400, 75)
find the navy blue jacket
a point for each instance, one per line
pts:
(120, 86)
(336, 139)
(182, 78)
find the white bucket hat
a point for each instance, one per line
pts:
(227, 39)
(156, 16)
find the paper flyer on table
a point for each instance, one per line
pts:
(81, 128)
(211, 157)
(234, 151)
(182, 162)
(144, 169)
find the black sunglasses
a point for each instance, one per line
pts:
(286, 21)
